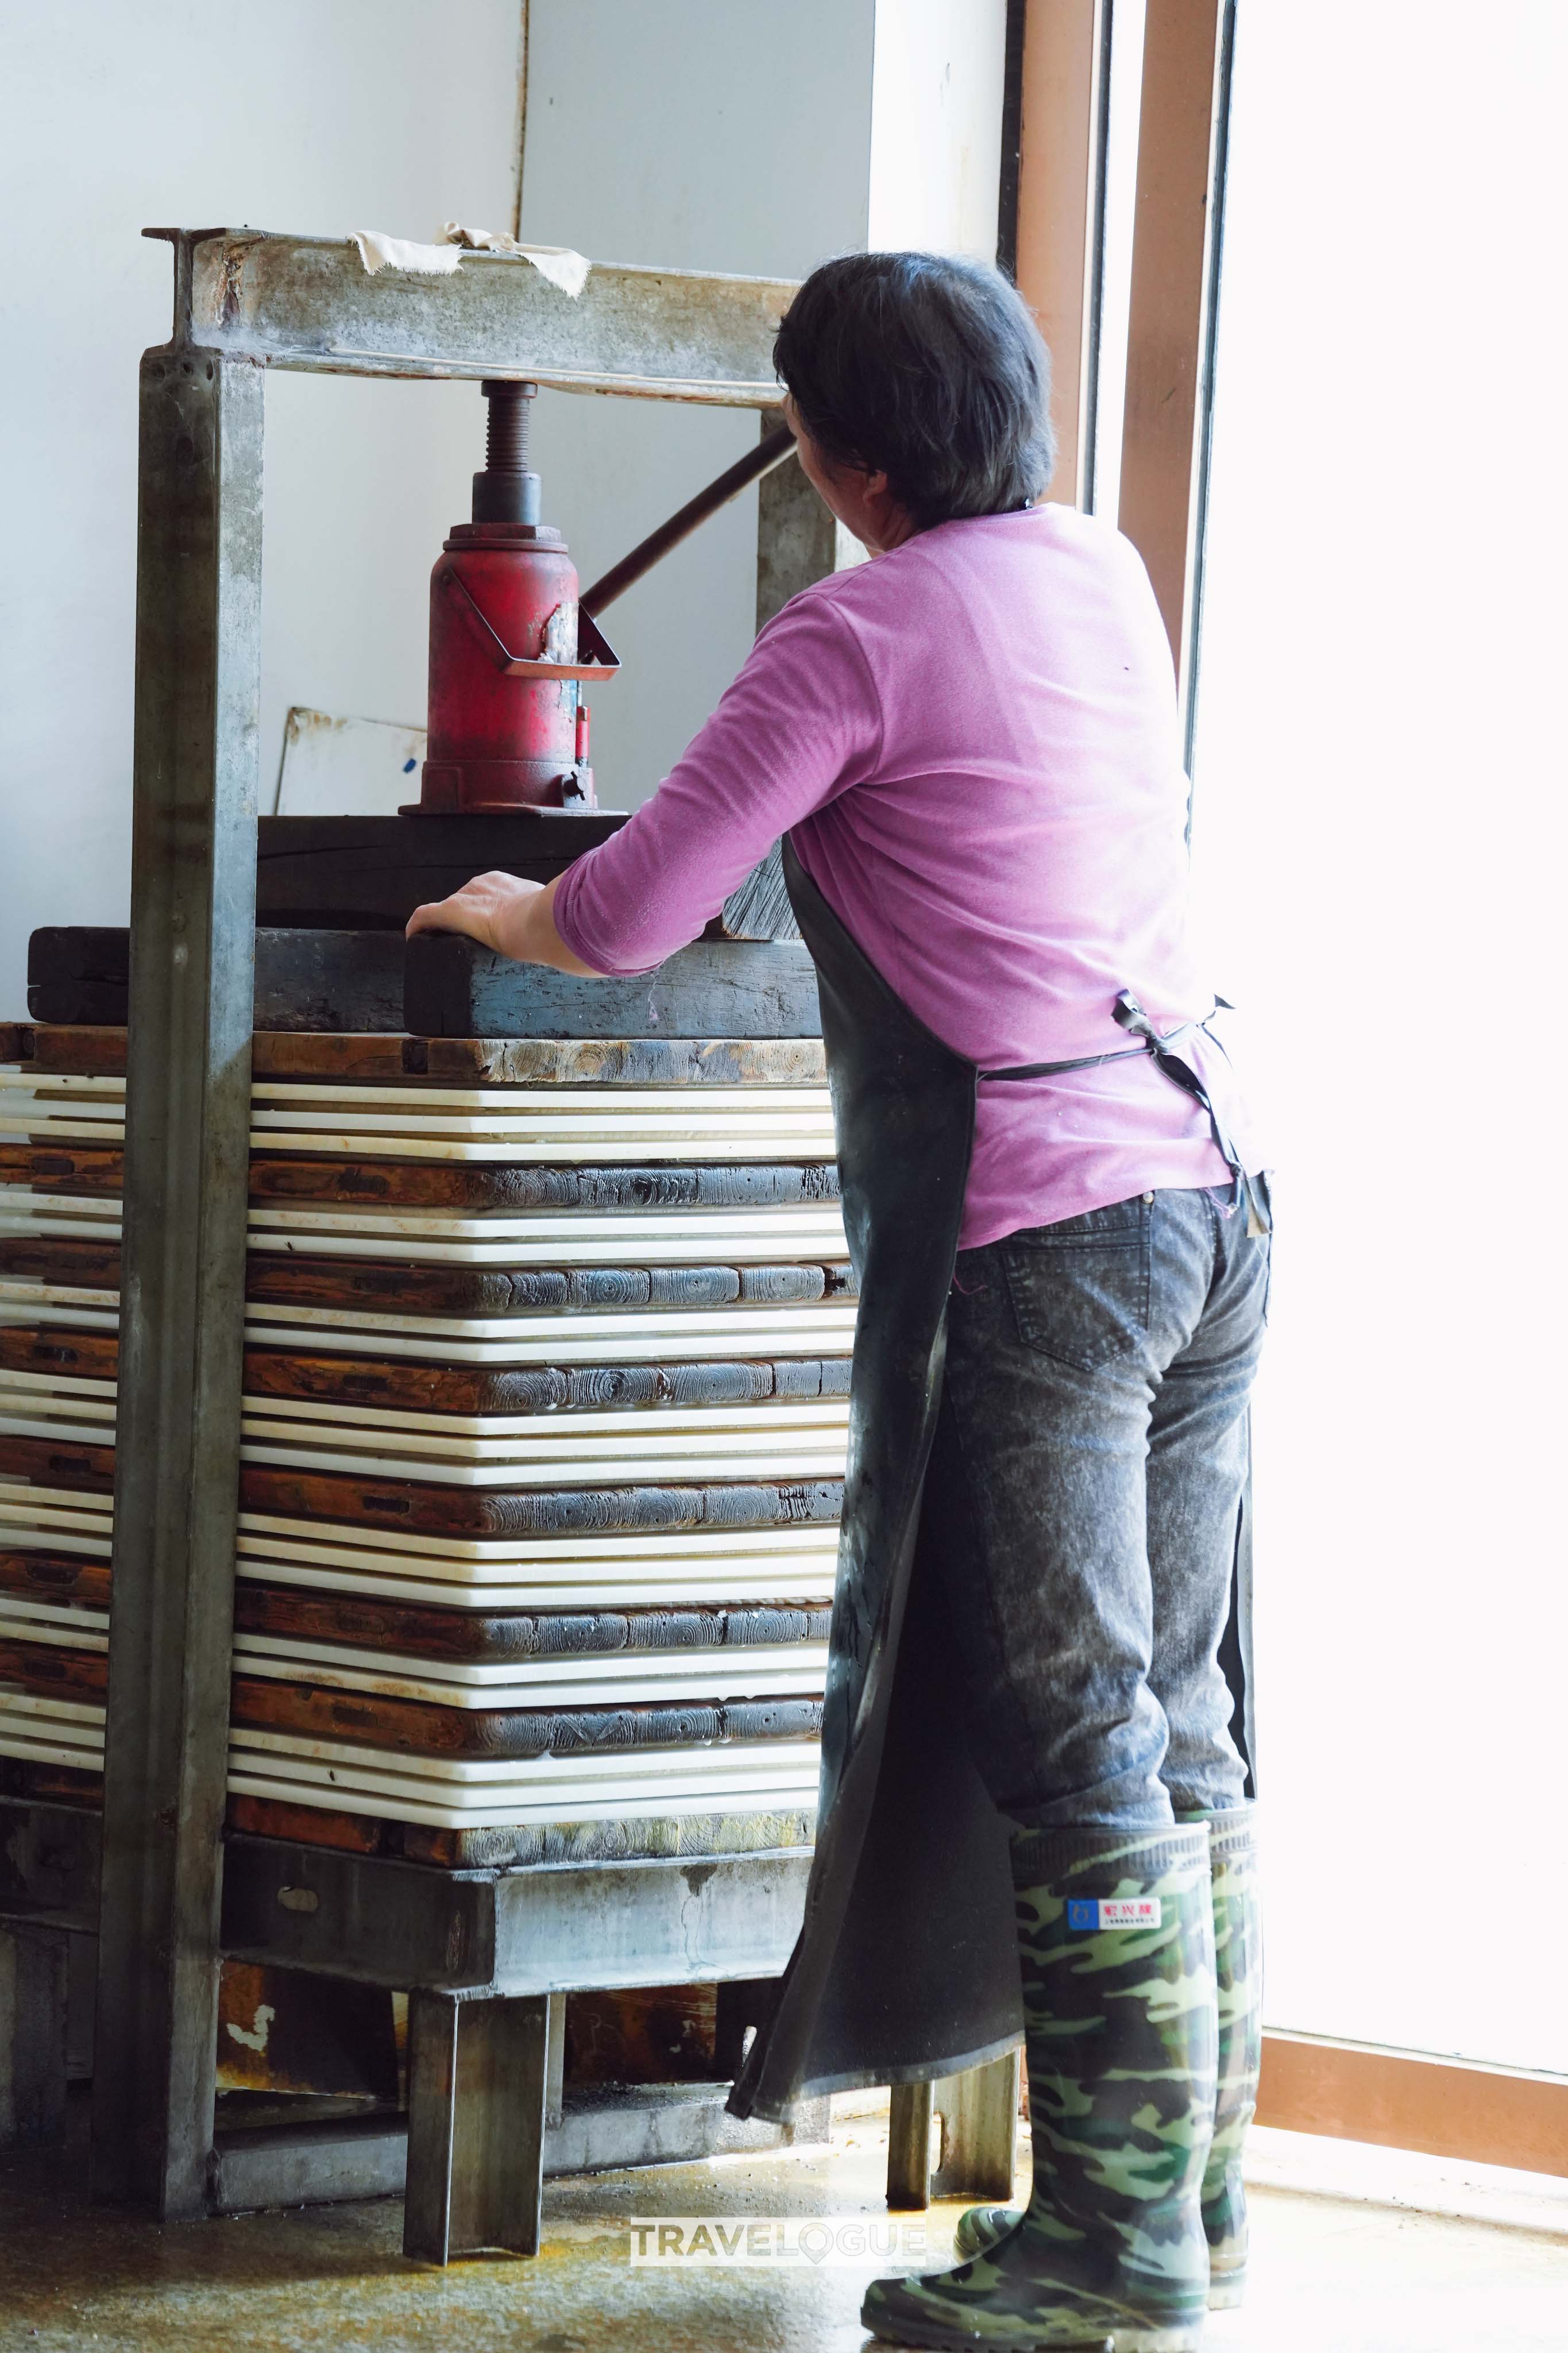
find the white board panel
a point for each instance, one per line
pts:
(434, 1813)
(786, 1584)
(347, 767)
(635, 1680)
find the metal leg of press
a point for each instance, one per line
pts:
(32, 2000)
(478, 2083)
(744, 2005)
(909, 2146)
(555, 2059)
(977, 2113)
(182, 1316)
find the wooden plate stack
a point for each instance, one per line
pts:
(546, 1397)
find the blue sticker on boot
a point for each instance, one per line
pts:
(1114, 1912)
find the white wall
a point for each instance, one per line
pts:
(717, 134)
(936, 125)
(295, 116)
(705, 134)
(730, 134)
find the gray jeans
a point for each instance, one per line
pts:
(1088, 1472)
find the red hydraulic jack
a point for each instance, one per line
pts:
(510, 651)
(513, 645)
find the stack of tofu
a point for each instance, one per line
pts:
(546, 1380)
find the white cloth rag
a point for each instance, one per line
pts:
(559, 263)
(563, 268)
(378, 252)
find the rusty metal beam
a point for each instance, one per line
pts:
(309, 302)
(1061, 216)
(539, 1930)
(193, 927)
(1176, 275)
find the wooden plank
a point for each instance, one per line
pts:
(311, 1825)
(59, 1785)
(54, 1577)
(369, 873)
(1060, 219)
(88, 1052)
(54, 1348)
(643, 2034)
(406, 1384)
(647, 1839)
(305, 979)
(423, 1728)
(413, 1507)
(15, 1041)
(85, 1265)
(57, 1462)
(716, 988)
(527, 1843)
(1176, 275)
(406, 1287)
(414, 1631)
(80, 1050)
(284, 1178)
(280, 2030)
(59, 954)
(631, 1061)
(85, 1050)
(351, 1054)
(53, 1671)
(94, 1170)
(1401, 2099)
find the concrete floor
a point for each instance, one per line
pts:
(1331, 2275)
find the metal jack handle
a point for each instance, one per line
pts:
(520, 665)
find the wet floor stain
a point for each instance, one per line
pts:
(1360, 2279)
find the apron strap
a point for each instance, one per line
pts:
(1131, 1016)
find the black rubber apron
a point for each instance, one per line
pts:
(906, 1964)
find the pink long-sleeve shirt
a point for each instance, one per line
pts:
(973, 743)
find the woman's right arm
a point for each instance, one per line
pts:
(800, 724)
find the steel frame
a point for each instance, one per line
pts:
(244, 302)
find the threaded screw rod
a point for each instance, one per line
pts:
(506, 426)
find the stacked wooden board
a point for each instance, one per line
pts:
(546, 1401)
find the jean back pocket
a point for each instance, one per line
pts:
(1080, 1288)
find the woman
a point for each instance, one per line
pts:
(1034, 1811)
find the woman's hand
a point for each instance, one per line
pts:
(501, 912)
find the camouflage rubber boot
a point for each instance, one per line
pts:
(1239, 1969)
(1116, 1950)
(1239, 1979)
